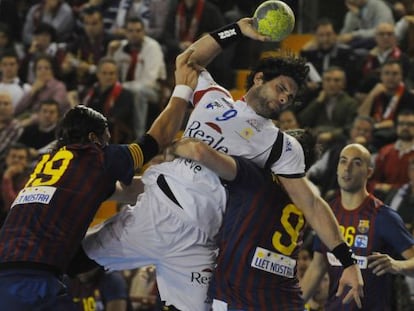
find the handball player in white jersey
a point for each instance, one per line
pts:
(175, 221)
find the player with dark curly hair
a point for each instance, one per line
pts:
(184, 201)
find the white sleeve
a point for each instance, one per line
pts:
(206, 86)
(205, 80)
(292, 161)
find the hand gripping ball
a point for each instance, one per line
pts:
(274, 19)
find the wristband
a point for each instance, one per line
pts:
(345, 255)
(226, 35)
(182, 91)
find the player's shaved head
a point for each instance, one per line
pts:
(363, 152)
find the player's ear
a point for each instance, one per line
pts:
(258, 78)
(370, 172)
(93, 138)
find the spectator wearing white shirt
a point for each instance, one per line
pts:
(140, 61)
(10, 82)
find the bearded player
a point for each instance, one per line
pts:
(175, 222)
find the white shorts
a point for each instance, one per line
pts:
(153, 232)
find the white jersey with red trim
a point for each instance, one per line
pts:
(231, 127)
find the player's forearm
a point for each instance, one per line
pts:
(326, 226)
(223, 165)
(366, 105)
(168, 123)
(210, 45)
(205, 50)
(323, 221)
(406, 267)
(317, 212)
(165, 127)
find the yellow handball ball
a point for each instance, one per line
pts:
(274, 19)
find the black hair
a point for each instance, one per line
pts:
(19, 146)
(6, 31)
(77, 124)
(135, 19)
(50, 102)
(45, 28)
(392, 61)
(308, 142)
(9, 53)
(90, 10)
(273, 67)
(323, 22)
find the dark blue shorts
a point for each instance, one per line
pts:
(27, 289)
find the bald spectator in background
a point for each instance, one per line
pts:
(386, 49)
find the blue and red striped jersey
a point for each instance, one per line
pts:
(259, 243)
(51, 214)
(372, 227)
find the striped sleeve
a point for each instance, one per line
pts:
(137, 155)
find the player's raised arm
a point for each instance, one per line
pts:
(168, 123)
(209, 46)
